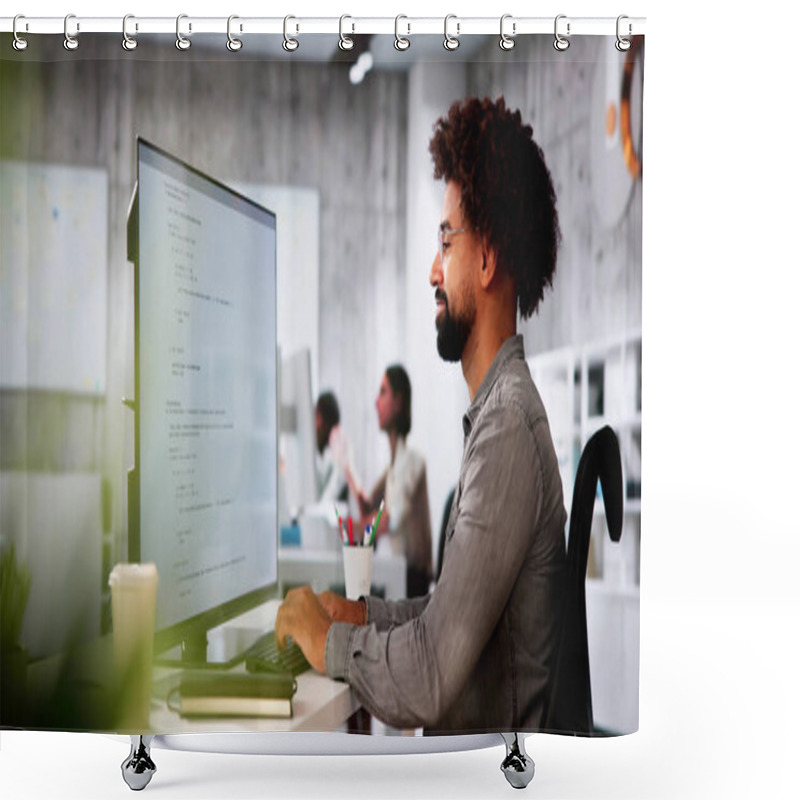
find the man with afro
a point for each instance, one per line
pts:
(478, 653)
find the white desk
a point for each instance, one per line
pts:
(320, 704)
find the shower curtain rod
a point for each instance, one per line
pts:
(452, 26)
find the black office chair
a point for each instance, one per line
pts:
(570, 707)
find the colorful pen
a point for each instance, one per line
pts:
(377, 522)
(341, 524)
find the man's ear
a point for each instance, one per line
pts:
(489, 266)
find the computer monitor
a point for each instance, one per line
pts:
(298, 438)
(203, 493)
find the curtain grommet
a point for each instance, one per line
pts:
(622, 44)
(19, 43)
(128, 42)
(451, 43)
(561, 43)
(401, 43)
(507, 42)
(70, 41)
(233, 44)
(289, 44)
(181, 42)
(345, 42)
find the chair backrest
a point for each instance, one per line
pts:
(570, 707)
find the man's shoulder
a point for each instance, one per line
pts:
(515, 397)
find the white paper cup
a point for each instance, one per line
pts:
(134, 588)
(357, 571)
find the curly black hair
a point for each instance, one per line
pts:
(506, 191)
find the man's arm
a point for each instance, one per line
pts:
(384, 614)
(409, 674)
(307, 618)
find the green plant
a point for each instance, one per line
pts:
(15, 586)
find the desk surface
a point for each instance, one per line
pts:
(320, 704)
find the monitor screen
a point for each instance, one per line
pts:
(206, 384)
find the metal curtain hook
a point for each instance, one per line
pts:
(289, 44)
(233, 44)
(400, 42)
(345, 42)
(451, 42)
(506, 41)
(70, 42)
(623, 45)
(561, 43)
(128, 42)
(19, 43)
(181, 42)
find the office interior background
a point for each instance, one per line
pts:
(346, 166)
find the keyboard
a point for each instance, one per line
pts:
(264, 656)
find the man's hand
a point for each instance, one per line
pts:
(341, 610)
(303, 617)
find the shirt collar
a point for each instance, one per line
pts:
(512, 348)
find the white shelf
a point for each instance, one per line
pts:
(563, 379)
(597, 586)
(632, 422)
(628, 507)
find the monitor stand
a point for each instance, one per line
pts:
(220, 648)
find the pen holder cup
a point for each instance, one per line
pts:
(357, 571)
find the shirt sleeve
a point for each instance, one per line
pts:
(385, 614)
(409, 671)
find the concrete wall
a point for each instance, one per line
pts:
(242, 121)
(597, 292)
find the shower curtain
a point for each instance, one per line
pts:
(333, 138)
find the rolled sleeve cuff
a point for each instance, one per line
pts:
(377, 613)
(338, 650)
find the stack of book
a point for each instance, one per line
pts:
(217, 694)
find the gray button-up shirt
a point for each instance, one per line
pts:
(478, 653)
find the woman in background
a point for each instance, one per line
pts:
(333, 455)
(406, 518)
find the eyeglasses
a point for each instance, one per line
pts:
(447, 232)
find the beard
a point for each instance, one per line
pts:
(453, 330)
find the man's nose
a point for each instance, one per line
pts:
(437, 274)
